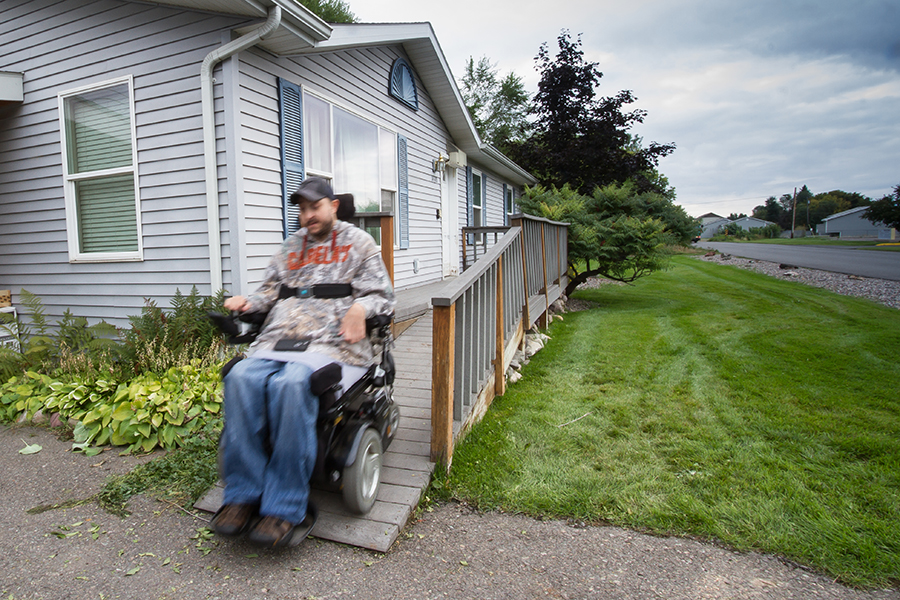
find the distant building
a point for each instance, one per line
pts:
(719, 224)
(710, 218)
(852, 224)
(748, 223)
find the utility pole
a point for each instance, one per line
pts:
(794, 214)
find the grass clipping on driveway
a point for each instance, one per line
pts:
(719, 403)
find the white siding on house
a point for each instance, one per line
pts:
(64, 45)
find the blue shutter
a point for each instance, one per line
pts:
(403, 191)
(505, 208)
(470, 239)
(290, 102)
(484, 216)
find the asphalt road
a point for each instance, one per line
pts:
(859, 261)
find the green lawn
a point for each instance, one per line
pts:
(714, 402)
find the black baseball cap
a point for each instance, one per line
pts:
(312, 189)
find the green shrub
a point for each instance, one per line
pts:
(146, 412)
(155, 386)
(159, 340)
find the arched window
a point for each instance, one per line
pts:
(402, 85)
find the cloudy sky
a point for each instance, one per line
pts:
(759, 97)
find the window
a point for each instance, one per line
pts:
(475, 196)
(508, 201)
(358, 156)
(100, 172)
(402, 85)
(477, 200)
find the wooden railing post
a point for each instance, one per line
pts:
(442, 372)
(544, 319)
(499, 369)
(526, 310)
(387, 244)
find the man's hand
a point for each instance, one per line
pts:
(236, 303)
(353, 327)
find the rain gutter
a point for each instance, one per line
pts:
(209, 136)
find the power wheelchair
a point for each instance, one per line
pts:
(357, 419)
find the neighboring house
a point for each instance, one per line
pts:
(711, 228)
(714, 227)
(748, 223)
(710, 218)
(151, 146)
(851, 224)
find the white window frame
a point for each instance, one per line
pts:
(384, 186)
(509, 203)
(71, 179)
(478, 204)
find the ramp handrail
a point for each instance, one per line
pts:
(480, 319)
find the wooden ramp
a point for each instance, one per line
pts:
(407, 468)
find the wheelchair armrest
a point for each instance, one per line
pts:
(378, 321)
(228, 325)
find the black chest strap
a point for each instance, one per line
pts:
(320, 290)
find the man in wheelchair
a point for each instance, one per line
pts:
(319, 289)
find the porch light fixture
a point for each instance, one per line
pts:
(439, 163)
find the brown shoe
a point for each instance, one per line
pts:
(233, 519)
(272, 531)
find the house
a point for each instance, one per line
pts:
(150, 147)
(718, 226)
(712, 227)
(709, 218)
(748, 223)
(851, 224)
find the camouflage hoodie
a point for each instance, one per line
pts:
(346, 255)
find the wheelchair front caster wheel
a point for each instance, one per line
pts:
(361, 479)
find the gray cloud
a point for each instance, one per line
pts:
(758, 96)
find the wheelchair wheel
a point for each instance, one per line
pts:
(361, 479)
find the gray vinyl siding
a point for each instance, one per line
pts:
(60, 46)
(356, 80)
(494, 215)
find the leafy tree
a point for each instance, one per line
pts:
(578, 138)
(331, 11)
(853, 199)
(736, 216)
(617, 232)
(824, 205)
(886, 210)
(802, 207)
(771, 211)
(498, 105)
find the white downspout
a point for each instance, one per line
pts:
(209, 137)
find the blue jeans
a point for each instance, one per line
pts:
(270, 437)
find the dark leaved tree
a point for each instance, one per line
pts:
(886, 210)
(579, 138)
